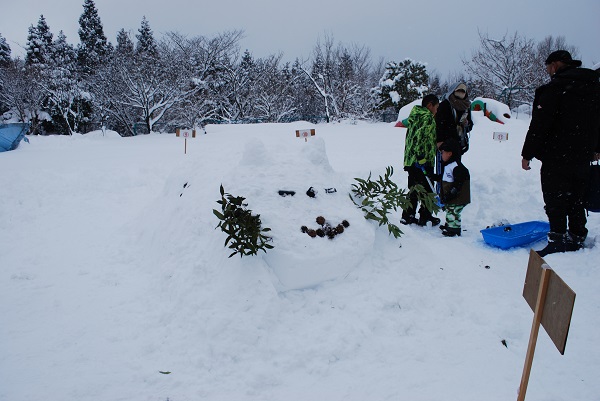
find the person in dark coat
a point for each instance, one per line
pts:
(564, 134)
(454, 115)
(455, 193)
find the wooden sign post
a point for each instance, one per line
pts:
(305, 133)
(185, 133)
(552, 302)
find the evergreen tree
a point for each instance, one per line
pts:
(346, 87)
(243, 80)
(93, 47)
(65, 97)
(4, 52)
(321, 77)
(304, 93)
(124, 43)
(401, 84)
(146, 45)
(39, 42)
(435, 84)
(62, 53)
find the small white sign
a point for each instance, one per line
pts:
(305, 133)
(186, 133)
(501, 136)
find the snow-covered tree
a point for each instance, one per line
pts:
(21, 94)
(239, 82)
(93, 47)
(401, 84)
(144, 91)
(305, 95)
(4, 52)
(124, 43)
(110, 92)
(504, 68)
(274, 98)
(68, 103)
(207, 60)
(146, 45)
(39, 42)
(321, 75)
(352, 83)
(341, 78)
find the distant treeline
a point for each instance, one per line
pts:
(142, 84)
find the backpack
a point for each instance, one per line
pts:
(463, 132)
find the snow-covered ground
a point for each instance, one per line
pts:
(111, 272)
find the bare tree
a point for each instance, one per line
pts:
(321, 75)
(502, 68)
(275, 98)
(342, 77)
(543, 49)
(207, 60)
(22, 95)
(353, 81)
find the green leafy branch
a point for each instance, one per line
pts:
(244, 230)
(378, 198)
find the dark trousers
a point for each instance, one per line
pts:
(564, 189)
(416, 176)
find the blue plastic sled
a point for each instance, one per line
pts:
(11, 135)
(511, 235)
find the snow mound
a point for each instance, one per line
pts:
(405, 112)
(100, 134)
(493, 109)
(298, 260)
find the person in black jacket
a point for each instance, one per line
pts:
(564, 134)
(454, 115)
(455, 193)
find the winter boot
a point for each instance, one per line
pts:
(408, 219)
(423, 221)
(556, 244)
(573, 242)
(451, 231)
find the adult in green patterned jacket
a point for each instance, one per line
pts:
(420, 151)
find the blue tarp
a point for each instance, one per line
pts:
(11, 135)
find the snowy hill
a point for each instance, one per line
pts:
(115, 284)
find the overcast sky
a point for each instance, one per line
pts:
(435, 32)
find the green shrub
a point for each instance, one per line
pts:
(377, 199)
(244, 232)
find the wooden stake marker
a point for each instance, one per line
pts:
(552, 302)
(185, 133)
